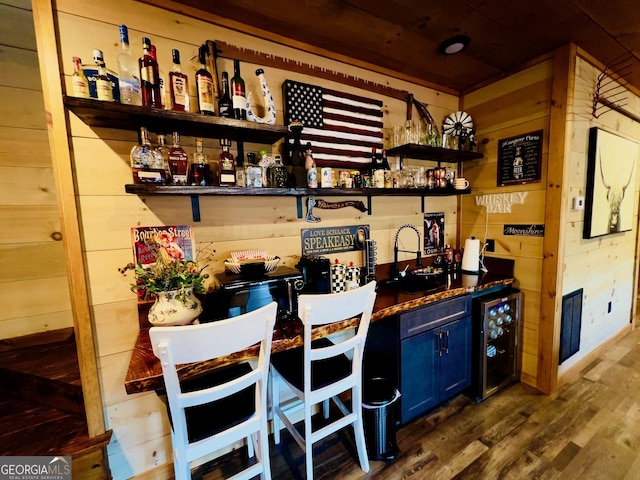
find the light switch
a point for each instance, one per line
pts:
(578, 203)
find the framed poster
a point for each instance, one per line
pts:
(611, 181)
(433, 233)
(519, 159)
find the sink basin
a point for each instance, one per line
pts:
(416, 284)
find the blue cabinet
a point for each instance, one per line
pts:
(426, 351)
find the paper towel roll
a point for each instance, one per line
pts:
(471, 256)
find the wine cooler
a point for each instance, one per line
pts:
(496, 342)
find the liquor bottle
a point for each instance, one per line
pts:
(386, 171)
(161, 82)
(164, 151)
(147, 163)
(254, 171)
(226, 166)
(149, 77)
(128, 72)
(200, 170)
(178, 85)
(225, 105)
(241, 177)
(238, 96)
(178, 160)
(204, 85)
(310, 167)
(103, 84)
(79, 82)
(373, 168)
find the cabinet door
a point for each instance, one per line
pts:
(455, 362)
(419, 384)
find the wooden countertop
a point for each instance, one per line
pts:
(145, 373)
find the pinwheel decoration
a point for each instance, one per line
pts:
(460, 124)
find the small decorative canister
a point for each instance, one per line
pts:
(352, 277)
(338, 277)
(325, 177)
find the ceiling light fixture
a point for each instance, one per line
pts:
(454, 45)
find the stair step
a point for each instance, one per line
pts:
(28, 428)
(47, 373)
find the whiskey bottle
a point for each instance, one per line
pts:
(149, 77)
(199, 170)
(128, 72)
(178, 85)
(103, 84)
(204, 85)
(254, 171)
(373, 168)
(147, 163)
(178, 160)
(164, 151)
(386, 171)
(225, 106)
(161, 82)
(79, 82)
(238, 96)
(226, 166)
(310, 167)
(241, 177)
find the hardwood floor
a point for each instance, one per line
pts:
(589, 430)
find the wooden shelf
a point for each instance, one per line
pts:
(96, 113)
(146, 189)
(437, 154)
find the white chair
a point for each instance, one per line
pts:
(319, 370)
(200, 427)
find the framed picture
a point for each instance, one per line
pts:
(433, 233)
(611, 184)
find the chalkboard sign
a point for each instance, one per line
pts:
(519, 159)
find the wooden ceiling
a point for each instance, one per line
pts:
(401, 37)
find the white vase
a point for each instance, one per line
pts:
(175, 307)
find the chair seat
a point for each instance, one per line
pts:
(290, 365)
(230, 411)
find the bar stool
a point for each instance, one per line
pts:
(320, 370)
(218, 409)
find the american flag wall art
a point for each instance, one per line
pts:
(341, 127)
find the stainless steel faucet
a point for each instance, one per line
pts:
(418, 252)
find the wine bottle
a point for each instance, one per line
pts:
(161, 82)
(178, 85)
(386, 171)
(103, 84)
(128, 72)
(178, 160)
(79, 81)
(238, 96)
(204, 85)
(149, 77)
(225, 106)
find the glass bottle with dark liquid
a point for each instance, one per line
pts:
(149, 77)
(178, 160)
(200, 170)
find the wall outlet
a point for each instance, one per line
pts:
(578, 203)
(490, 245)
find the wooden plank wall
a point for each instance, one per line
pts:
(515, 105)
(606, 267)
(32, 270)
(141, 438)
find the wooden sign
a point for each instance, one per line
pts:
(523, 230)
(519, 159)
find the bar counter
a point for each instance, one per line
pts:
(145, 373)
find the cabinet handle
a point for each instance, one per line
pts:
(446, 343)
(439, 343)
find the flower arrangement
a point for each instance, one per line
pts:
(171, 271)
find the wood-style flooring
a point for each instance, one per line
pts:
(589, 430)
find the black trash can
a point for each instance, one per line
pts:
(379, 395)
